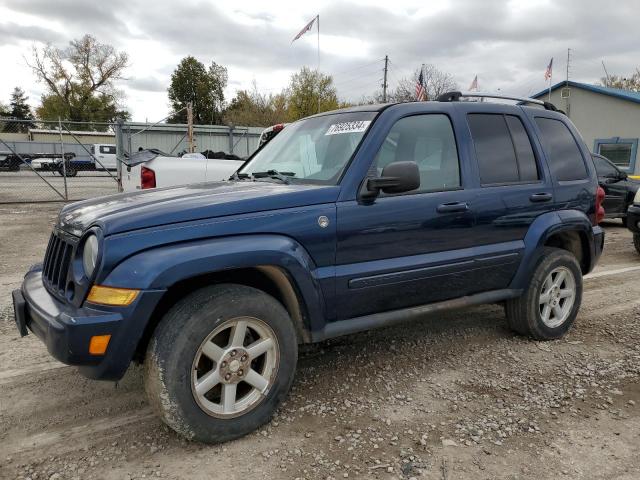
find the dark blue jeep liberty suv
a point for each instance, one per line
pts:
(346, 221)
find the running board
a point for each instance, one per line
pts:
(386, 319)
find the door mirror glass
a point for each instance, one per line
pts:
(397, 177)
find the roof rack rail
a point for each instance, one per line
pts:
(456, 96)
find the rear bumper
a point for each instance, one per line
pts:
(66, 331)
(598, 246)
(633, 218)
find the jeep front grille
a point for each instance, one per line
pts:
(56, 262)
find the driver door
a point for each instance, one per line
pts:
(413, 248)
(612, 182)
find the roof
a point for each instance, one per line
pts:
(377, 107)
(619, 93)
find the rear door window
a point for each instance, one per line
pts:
(565, 160)
(527, 165)
(503, 149)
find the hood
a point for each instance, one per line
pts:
(163, 206)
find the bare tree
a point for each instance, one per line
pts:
(625, 83)
(435, 83)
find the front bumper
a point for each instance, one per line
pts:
(66, 330)
(633, 218)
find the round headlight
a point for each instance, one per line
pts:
(90, 255)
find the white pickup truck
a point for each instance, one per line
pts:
(142, 172)
(152, 168)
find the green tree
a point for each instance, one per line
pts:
(625, 83)
(255, 109)
(80, 81)
(20, 110)
(310, 92)
(192, 82)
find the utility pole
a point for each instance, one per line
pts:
(567, 91)
(384, 82)
(606, 74)
(190, 126)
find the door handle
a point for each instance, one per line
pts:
(540, 197)
(452, 207)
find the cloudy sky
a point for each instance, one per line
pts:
(507, 43)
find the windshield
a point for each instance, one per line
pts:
(315, 150)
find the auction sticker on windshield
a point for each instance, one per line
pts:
(348, 127)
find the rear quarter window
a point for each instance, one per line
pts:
(563, 154)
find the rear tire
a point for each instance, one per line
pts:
(220, 362)
(636, 241)
(549, 306)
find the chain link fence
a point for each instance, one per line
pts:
(43, 161)
(174, 140)
(56, 161)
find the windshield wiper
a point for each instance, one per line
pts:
(284, 177)
(240, 176)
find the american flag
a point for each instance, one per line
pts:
(420, 92)
(549, 71)
(306, 28)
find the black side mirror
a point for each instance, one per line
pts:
(397, 177)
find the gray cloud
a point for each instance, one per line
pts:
(506, 47)
(12, 34)
(103, 19)
(147, 84)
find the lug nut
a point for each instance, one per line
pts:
(244, 358)
(223, 364)
(227, 376)
(233, 353)
(240, 373)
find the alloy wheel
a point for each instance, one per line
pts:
(235, 367)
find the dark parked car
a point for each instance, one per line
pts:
(346, 221)
(10, 162)
(619, 189)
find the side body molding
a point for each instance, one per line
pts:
(161, 267)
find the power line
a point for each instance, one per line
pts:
(360, 75)
(358, 67)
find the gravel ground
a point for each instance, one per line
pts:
(27, 186)
(457, 396)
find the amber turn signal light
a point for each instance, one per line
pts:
(98, 344)
(119, 297)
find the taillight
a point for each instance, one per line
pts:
(147, 178)
(599, 208)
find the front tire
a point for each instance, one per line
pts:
(220, 362)
(549, 306)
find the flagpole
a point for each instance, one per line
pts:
(550, 82)
(318, 20)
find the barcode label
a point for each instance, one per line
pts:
(348, 127)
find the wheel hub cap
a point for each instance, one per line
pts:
(235, 367)
(557, 297)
